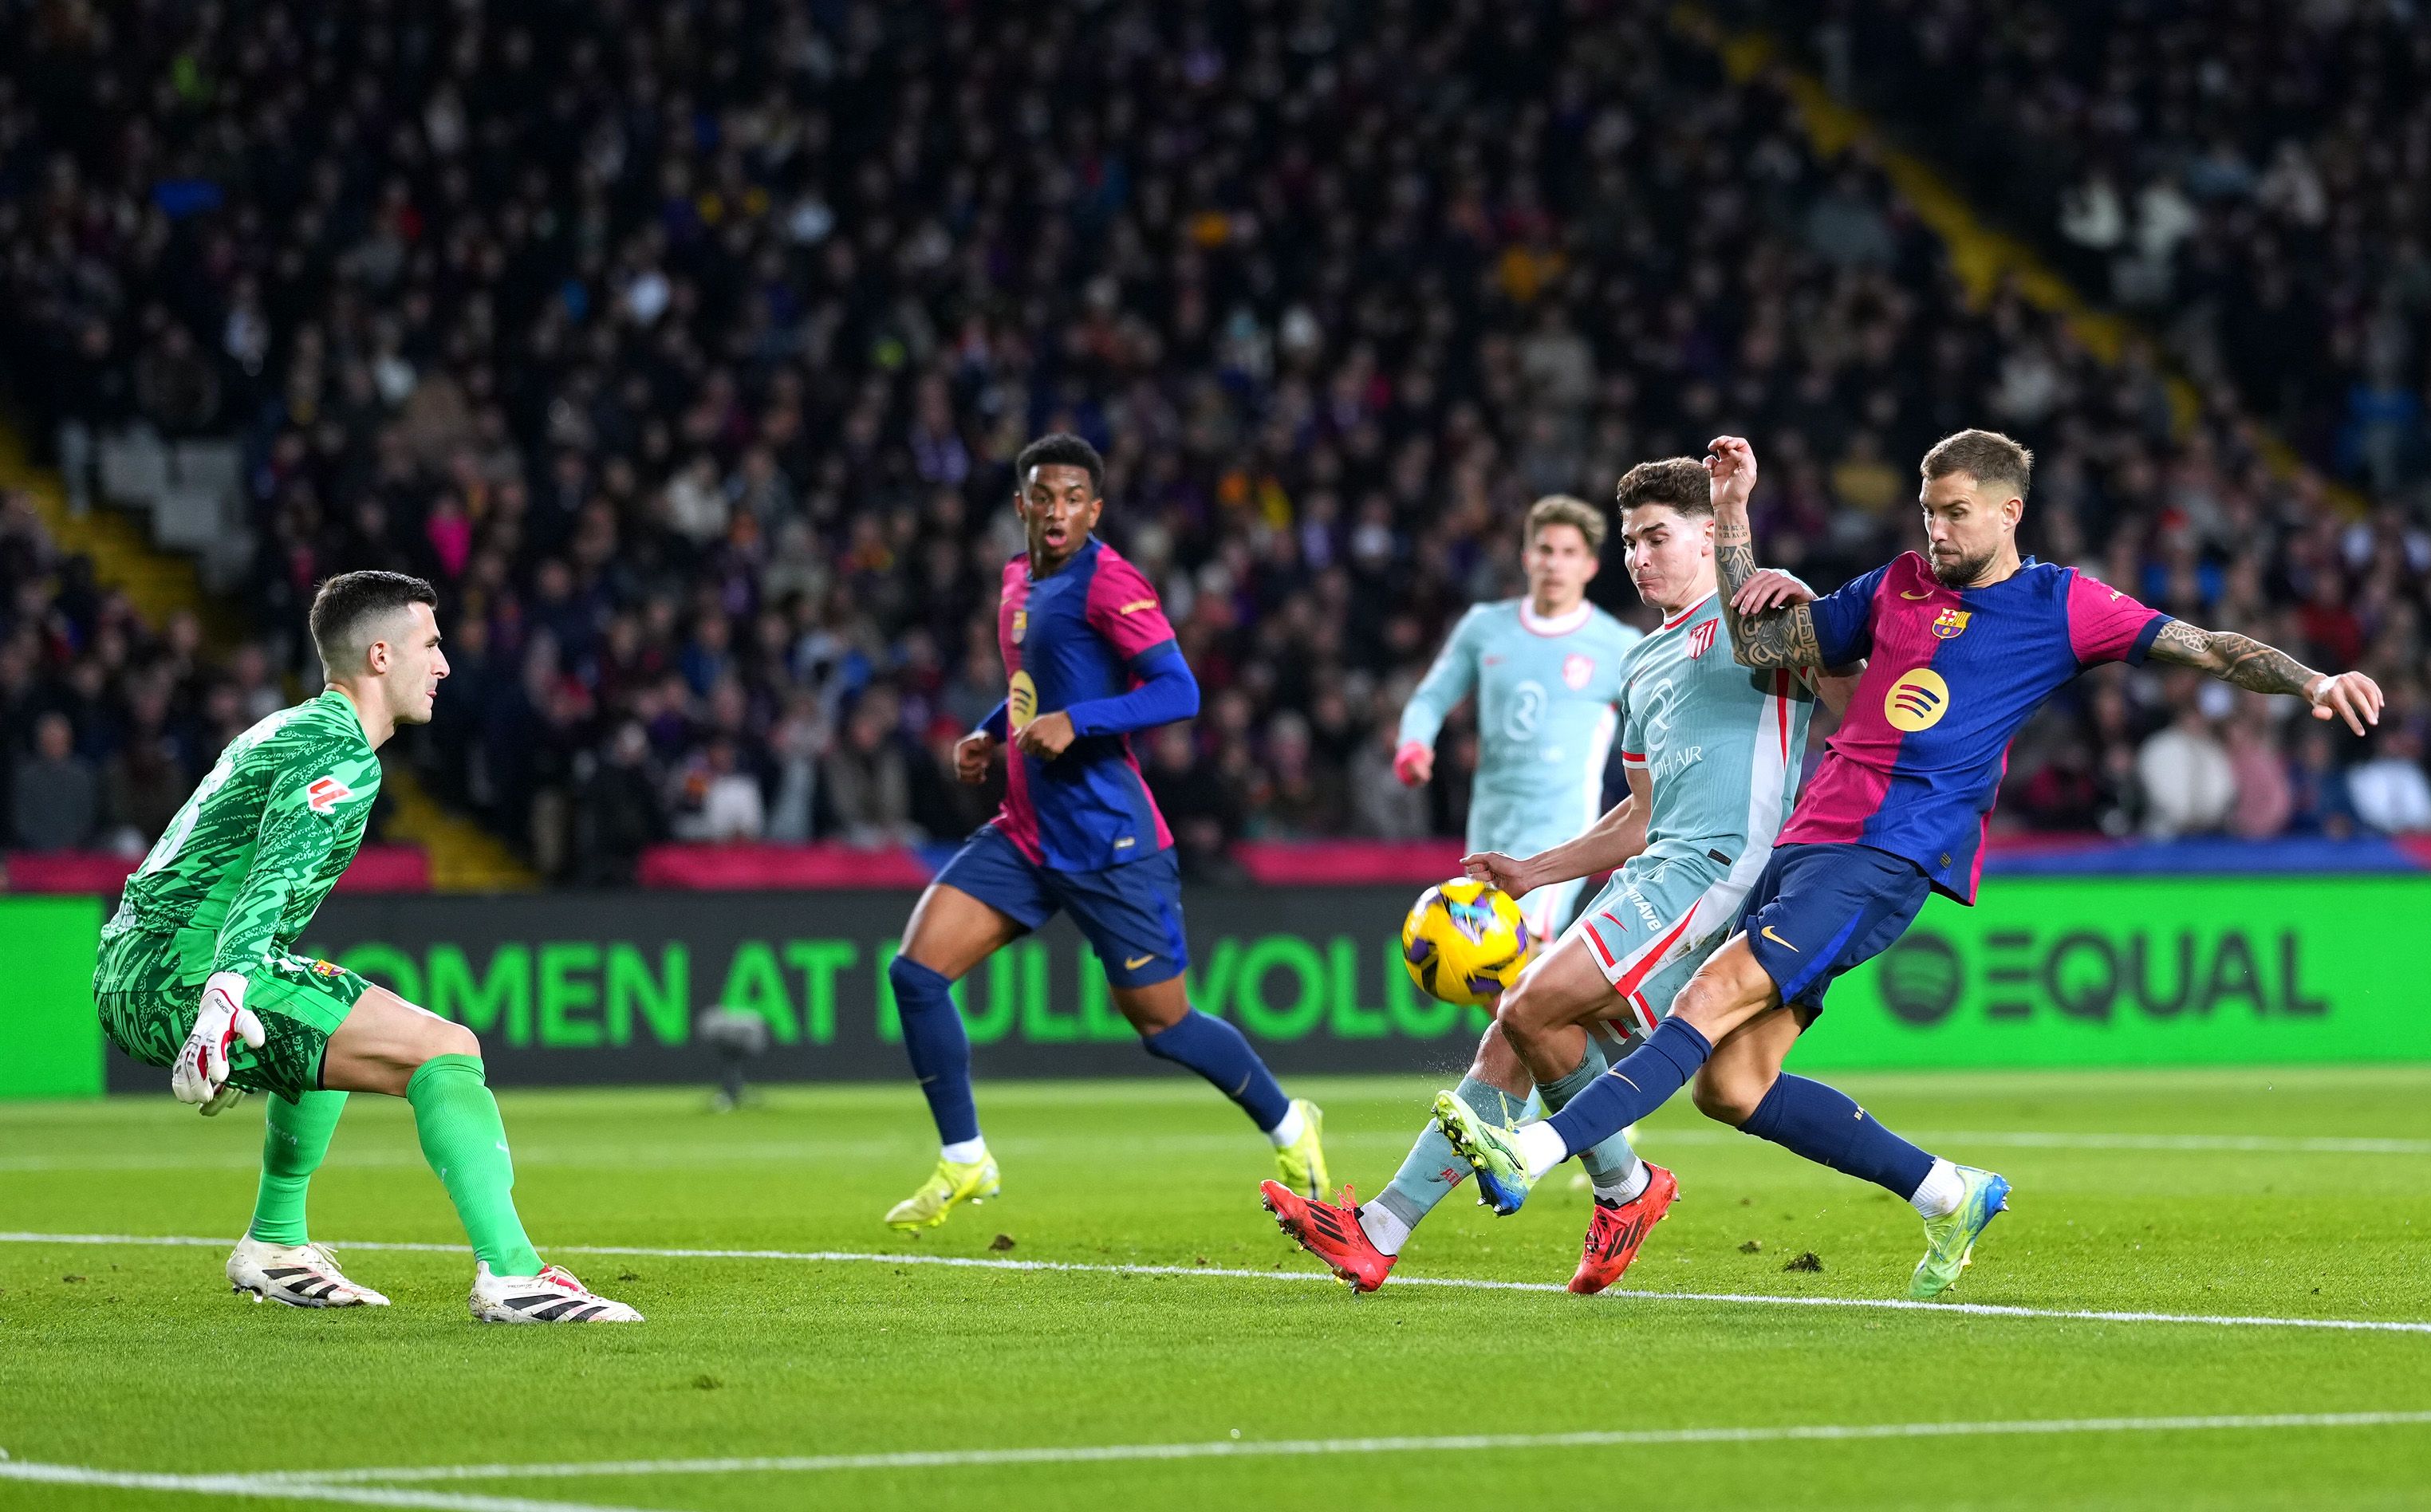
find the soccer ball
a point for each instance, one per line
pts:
(1465, 942)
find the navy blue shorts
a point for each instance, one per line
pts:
(1131, 914)
(1819, 910)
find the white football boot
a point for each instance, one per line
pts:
(300, 1275)
(552, 1297)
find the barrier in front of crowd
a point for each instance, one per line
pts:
(605, 987)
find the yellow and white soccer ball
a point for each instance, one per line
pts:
(1466, 942)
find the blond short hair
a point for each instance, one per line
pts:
(1988, 456)
(1561, 509)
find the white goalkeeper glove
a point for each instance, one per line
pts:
(202, 1067)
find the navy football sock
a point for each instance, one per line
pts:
(1643, 1081)
(1611, 1165)
(1826, 1127)
(1215, 1050)
(940, 1051)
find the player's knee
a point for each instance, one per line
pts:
(1521, 1012)
(917, 988)
(1726, 1096)
(446, 1037)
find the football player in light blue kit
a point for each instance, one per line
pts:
(1546, 669)
(1712, 755)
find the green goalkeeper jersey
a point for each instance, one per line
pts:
(261, 842)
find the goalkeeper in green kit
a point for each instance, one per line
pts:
(196, 972)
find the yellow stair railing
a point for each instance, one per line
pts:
(463, 856)
(1983, 258)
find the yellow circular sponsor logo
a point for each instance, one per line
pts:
(1918, 700)
(1021, 701)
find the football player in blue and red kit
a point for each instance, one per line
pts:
(1960, 643)
(1089, 659)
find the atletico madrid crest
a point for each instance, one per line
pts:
(1576, 670)
(1700, 638)
(1950, 624)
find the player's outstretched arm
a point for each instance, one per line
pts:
(2246, 662)
(1617, 836)
(1776, 637)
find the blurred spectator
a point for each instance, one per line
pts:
(1380, 807)
(2391, 792)
(57, 795)
(1197, 802)
(2322, 804)
(2189, 786)
(616, 813)
(714, 799)
(2265, 798)
(869, 778)
(143, 787)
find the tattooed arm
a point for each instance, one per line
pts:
(1778, 637)
(2246, 662)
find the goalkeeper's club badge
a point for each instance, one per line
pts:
(1950, 624)
(1576, 670)
(324, 794)
(1701, 637)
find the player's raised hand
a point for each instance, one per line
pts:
(1770, 588)
(1046, 736)
(972, 755)
(2349, 696)
(1730, 462)
(1414, 763)
(1506, 872)
(202, 1065)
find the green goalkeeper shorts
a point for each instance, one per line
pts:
(149, 986)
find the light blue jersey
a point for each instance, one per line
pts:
(1722, 746)
(1546, 690)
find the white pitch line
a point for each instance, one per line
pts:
(1251, 1448)
(2362, 1325)
(271, 1487)
(760, 1153)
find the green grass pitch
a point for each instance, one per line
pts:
(2277, 1196)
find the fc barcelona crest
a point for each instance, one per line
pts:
(1576, 670)
(1950, 624)
(1020, 625)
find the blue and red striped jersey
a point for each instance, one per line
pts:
(1068, 638)
(1950, 674)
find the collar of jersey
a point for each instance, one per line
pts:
(352, 713)
(1686, 614)
(2025, 564)
(1559, 623)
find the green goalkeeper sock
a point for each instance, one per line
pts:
(294, 1139)
(464, 1142)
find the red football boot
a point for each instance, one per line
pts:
(1331, 1233)
(1619, 1228)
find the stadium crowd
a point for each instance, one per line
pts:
(687, 349)
(2254, 178)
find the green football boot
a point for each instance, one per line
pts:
(951, 1184)
(1301, 1164)
(1950, 1239)
(1503, 1179)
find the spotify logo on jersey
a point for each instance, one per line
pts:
(1918, 700)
